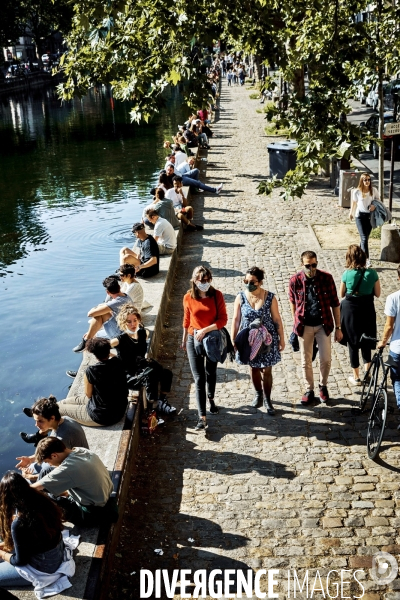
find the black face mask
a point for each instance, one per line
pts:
(251, 287)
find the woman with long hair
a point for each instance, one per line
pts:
(204, 311)
(256, 303)
(31, 526)
(361, 207)
(358, 287)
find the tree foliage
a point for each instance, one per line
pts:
(141, 47)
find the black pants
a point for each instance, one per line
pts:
(364, 227)
(354, 355)
(87, 516)
(159, 379)
(204, 372)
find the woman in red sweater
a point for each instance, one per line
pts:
(204, 311)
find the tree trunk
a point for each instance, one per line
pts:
(381, 171)
(298, 83)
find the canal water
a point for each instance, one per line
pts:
(73, 179)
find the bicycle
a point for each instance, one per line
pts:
(379, 410)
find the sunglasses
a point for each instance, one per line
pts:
(204, 280)
(311, 266)
(247, 282)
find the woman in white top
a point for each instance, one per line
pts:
(131, 286)
(361, 208)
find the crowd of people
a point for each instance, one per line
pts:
(64, 480)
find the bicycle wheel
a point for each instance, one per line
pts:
(369, 385)
(377, 424)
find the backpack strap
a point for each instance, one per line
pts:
(355, 291)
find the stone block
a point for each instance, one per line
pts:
(328, 522)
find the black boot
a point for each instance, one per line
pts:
(32, 438)
(257, 400)
(268, 406)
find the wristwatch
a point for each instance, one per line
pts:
(338, 327)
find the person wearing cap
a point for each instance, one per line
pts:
(145, 255)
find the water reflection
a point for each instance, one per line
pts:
(73, 179)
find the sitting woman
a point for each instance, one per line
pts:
(31, 526)
(131, 347)
(106, 390)
(163, 182)
(130, 285)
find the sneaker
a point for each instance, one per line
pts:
(190, 227)
(323, 393)
(80, 347)
(257, 400)
(71, 374)
(214, 410)
(201, 425)
(219, 188)
(354, 381)
(30, 438)
(199, 191)
(28, 412)
(165, 408)
(307, 397)
(199, 227)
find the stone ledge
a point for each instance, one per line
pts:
(116, 445)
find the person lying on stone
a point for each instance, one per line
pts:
(131, 348)
(49, 422)
(192, 181)
(80, 483)
(104, 400)
(145, 255)
(103, 315)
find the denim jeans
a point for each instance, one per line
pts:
(9, 576)
(395, 377)
(197, 184)
(193, 174)
(205, 373)
(364, 227)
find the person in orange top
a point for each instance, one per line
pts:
(204, 311)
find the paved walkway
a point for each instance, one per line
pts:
(294, 491)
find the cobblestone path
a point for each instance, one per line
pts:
(294, 491)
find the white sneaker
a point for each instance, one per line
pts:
(354, 381)
(219, 188)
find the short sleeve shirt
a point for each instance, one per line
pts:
(351, 277)
(165, 232)
(84, 476)
(71, 433)
(110, 391)
(392, 309)
(147, 249)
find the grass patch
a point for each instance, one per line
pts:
(376, 233)
(254, 96)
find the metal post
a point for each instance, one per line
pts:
(391, 174)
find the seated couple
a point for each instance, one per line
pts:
(172, 206)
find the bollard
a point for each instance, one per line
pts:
(390, 243)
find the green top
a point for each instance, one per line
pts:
(350, 278)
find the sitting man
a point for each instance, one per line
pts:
(191, 181)
(165, 208)
(103, 315)
(183, 211)
(170, 160)
(80, 483)
(180, 156)
(145, 255)
(106, 392)
(49, 422)
(164, 233)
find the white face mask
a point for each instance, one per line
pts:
(203, 287)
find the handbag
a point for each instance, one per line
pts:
(230, 350)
